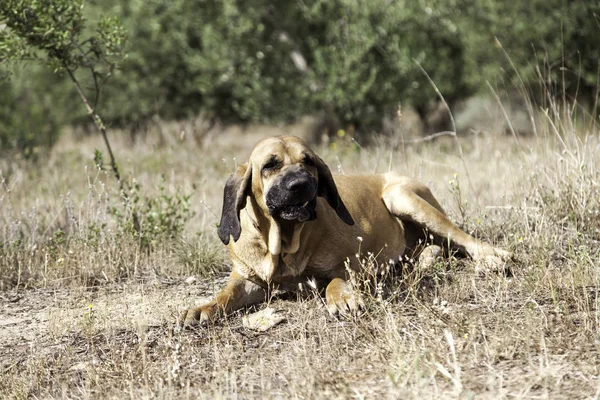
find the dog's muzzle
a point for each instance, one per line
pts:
(293, 197)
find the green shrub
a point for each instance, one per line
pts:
(272, 61)
(552, 45)
(152, 219)
(31, 112)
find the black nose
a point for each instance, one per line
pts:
(297, 184)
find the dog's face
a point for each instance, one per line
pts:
(285, 177)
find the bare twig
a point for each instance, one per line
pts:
(429, 137)
(98, 122)
(90, 66)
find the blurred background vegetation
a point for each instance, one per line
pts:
(275, 61)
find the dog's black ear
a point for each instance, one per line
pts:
(236, 190)
(328, 190)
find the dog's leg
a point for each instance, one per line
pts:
(412, 201)
(237, 293)
(341, 297)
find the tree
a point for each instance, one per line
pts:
(54, 32)
(272, 61)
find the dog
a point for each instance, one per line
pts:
(286, 218)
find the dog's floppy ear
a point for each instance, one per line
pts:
(328, 190)
(234, 199)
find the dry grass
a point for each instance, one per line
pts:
(85, 312)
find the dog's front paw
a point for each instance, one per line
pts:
(198, 316)
(342, 298)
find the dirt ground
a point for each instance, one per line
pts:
(121, 340)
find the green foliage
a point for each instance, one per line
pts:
(272, 61)
(219, 57)
(153, 219)
(45, 25)
(552, 45)
(98, 159)
(53, 32)
(365, 61)
(30, 111)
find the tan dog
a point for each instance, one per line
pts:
(286, 218)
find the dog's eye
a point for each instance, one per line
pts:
(308, 161)
(271, 165)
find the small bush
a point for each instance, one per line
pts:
(153, 218)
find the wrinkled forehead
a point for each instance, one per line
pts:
(287, 148)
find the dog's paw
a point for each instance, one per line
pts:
(197, 316)
(490, 259)
(342, 298)
(429, 256)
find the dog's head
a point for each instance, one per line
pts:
(284, 176)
